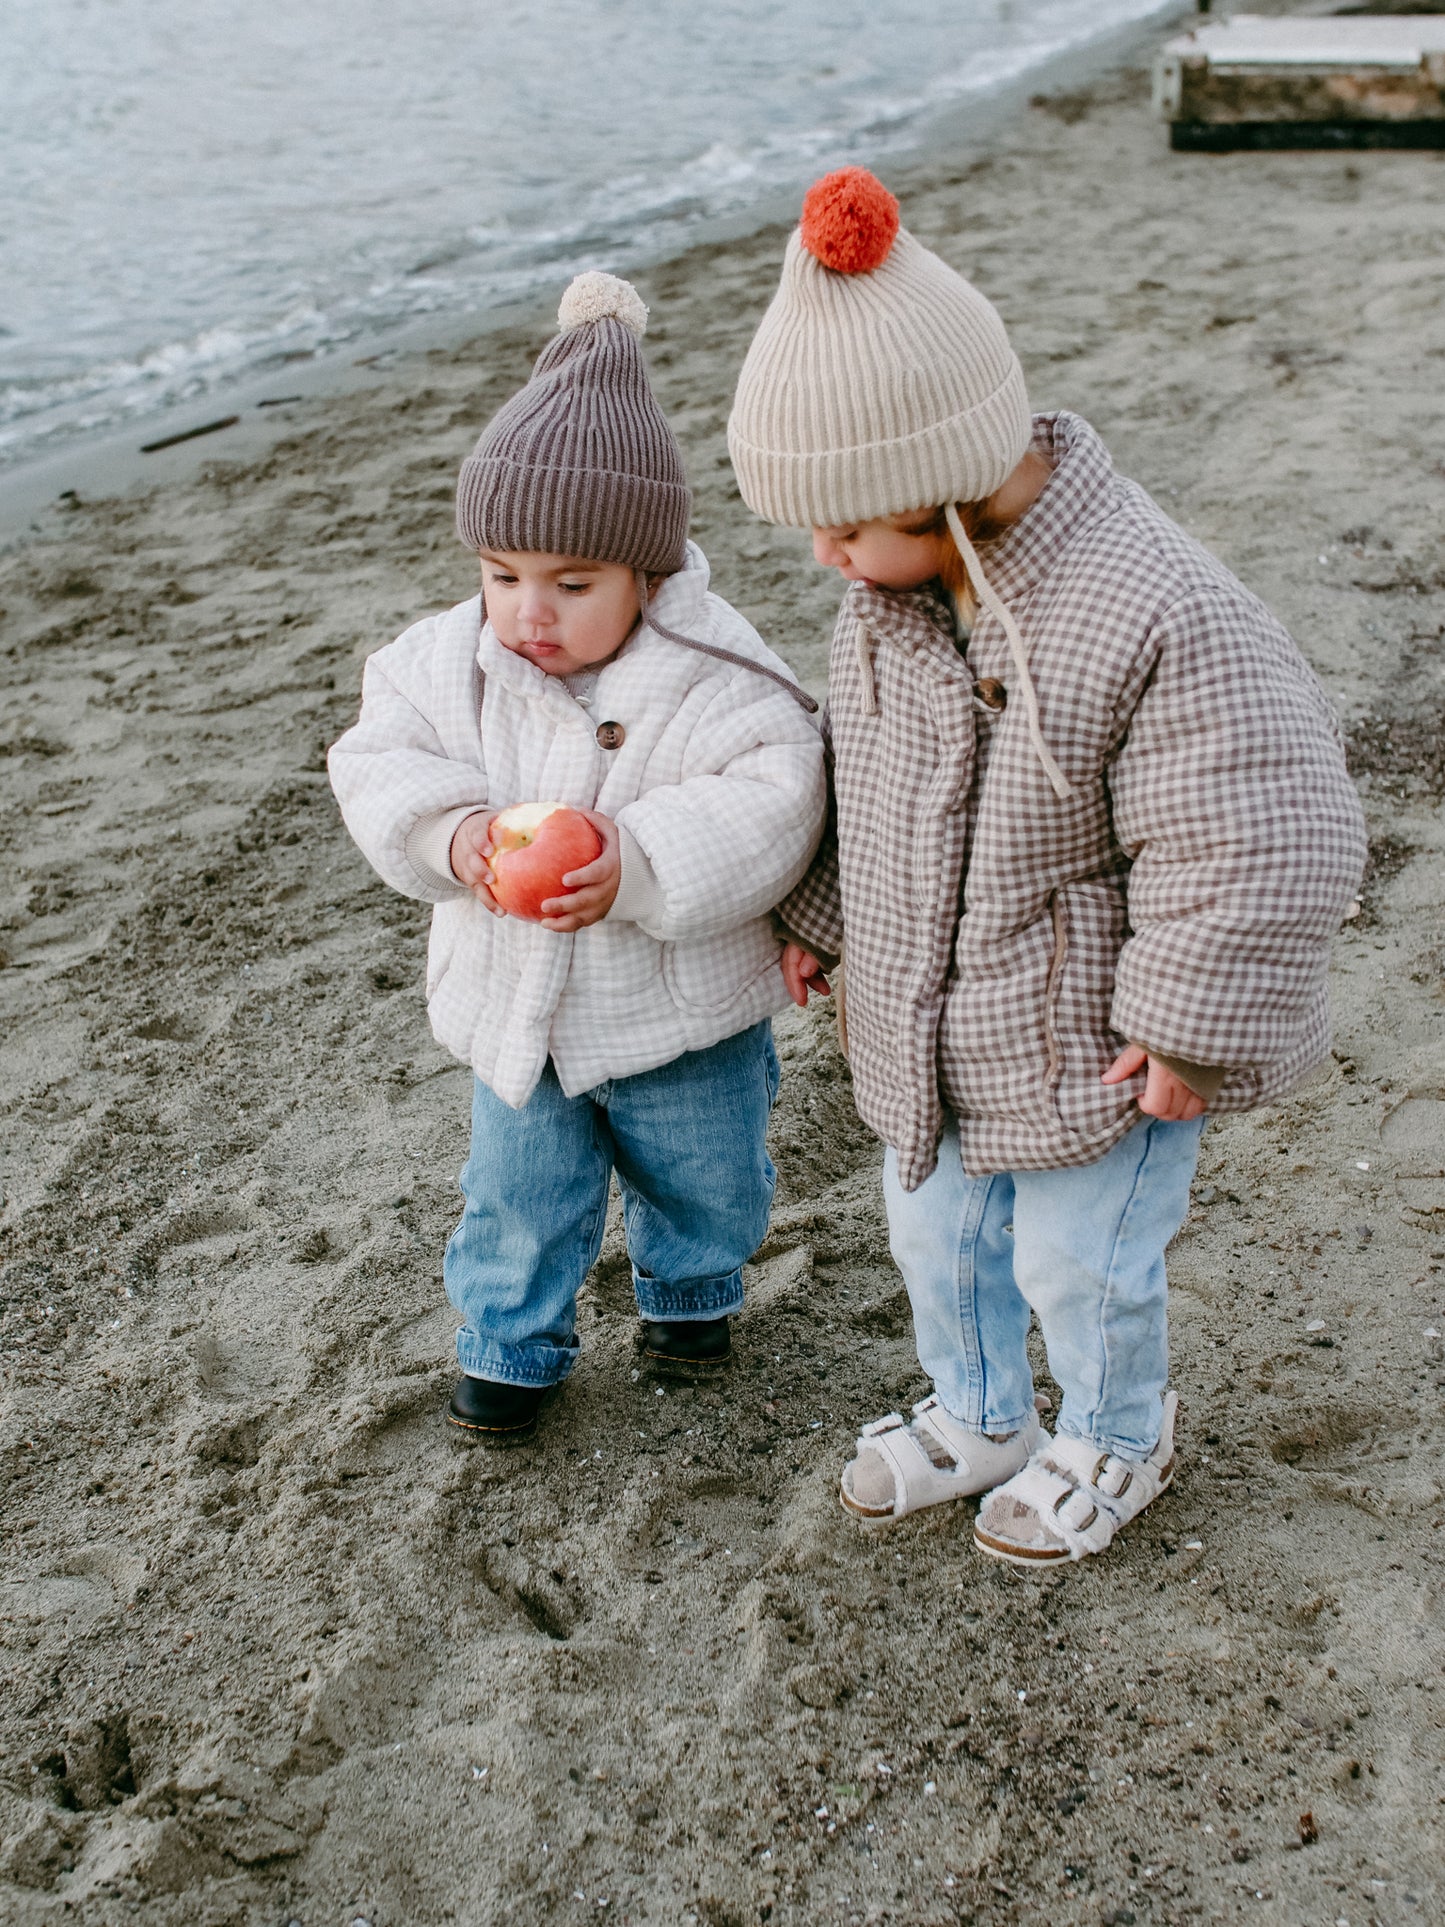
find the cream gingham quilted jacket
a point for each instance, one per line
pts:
(1004, 944)
(717, 788)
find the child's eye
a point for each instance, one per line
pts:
(575, 588)
(505, 581)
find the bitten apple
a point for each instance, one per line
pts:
(535, 845)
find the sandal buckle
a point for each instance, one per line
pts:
(893, 1422)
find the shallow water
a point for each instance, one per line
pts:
(196, 191)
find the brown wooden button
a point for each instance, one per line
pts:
(991, 693)
(611, 735)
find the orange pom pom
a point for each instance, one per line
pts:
(849, 221)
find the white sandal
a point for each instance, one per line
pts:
(1071, 1498)
(932, 1459)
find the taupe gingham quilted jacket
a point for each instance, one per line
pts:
(1003, 945)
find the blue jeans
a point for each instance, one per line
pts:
(687, 1142)
(1083, 1247)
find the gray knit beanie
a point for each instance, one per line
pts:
(581, 461)
(879, 380)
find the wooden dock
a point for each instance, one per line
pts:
(1342, 81)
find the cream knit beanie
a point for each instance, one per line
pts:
(879, 380)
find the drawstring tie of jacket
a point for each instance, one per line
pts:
(865, 668)
(798, 694)
(991, 601)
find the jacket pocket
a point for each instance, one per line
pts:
(1091, 922)
(1054, 1059)
(712, 973)
(442, 945)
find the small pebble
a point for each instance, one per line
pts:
(1315, 1325)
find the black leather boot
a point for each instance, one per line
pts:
(686, 1346)
(495, 1413)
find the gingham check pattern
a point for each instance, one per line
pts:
(1003, 945)
(719, 781)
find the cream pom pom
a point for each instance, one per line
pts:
(598, 297)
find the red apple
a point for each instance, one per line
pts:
(535, 845)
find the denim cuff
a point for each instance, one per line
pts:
(1129, 1450)
(985, 1427)
(694, 1298)
(539, 1364)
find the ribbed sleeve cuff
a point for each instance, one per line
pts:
(429, 848)
(785, 933)
(1205, 1080)
(639, 894)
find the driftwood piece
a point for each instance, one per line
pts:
(189, 434)
(1375, 81)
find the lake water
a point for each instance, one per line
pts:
(196, 191)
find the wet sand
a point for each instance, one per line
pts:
(273, 1646)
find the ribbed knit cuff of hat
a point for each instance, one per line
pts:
(590, 514)
(963, 457)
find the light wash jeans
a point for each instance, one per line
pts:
(687, 1142)
(1083, 1247)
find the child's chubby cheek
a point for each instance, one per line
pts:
(879, 554)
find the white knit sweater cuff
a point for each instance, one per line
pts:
(639, 895)
(429, 848)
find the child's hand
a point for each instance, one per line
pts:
(592, 890)
(1165, 1095)
(470, 858)
(802, 972)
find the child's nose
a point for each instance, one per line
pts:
(826, 551)
(535, 607)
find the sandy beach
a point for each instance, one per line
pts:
(274, 1647)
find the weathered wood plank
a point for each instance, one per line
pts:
(1253, 82)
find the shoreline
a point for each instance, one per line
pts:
(274, 1647)
(109, 462)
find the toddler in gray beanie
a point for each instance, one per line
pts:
(625, 1026)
